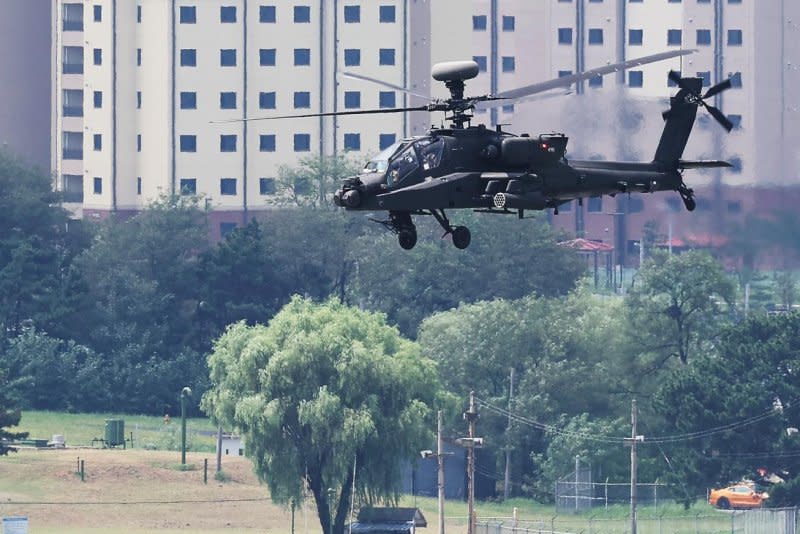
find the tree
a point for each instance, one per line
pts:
(746, 392)
(9, 416)
(678, 302)
(35, 250)
(323, 394)
(312, 182)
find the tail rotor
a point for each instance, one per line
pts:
(700, 100)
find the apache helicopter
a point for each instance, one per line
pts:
(493, 171)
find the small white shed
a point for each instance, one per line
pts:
(232, 445)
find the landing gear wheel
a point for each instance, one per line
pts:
(687, 195)
(690, 203)
(461, 237)
(407, 238)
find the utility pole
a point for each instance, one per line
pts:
(440, 462)
(507, 479)
(471, 416)
(632, 442)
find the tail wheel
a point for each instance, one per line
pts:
(461, 237)
(723, 503)
(407, 238)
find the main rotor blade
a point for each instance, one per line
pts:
(721, 118)
(500, 102)
(566, 81)
(383, 83)
(326, 114)
(717, 89)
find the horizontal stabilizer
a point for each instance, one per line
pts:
(704, 164)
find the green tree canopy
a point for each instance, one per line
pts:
(10, 414)
(322, 394)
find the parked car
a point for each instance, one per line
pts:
(738, 496)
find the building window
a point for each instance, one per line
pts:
(188, 15)
(352, 57)
(97, 97)
(509, 23)
(226, 229)
(138, 185)
(188, 143)
(72, 15)
(736, 79)
(734, 37)
(302, 56)
(302, 99)
(734, 206)
(703, 37)
(227, 143)
(98, 13)
(227, 14)
(266, 186)
(736, 161)
(138, 142)
(266, 14)
(302, 142)
(302, 13)
(595, 36)
(72, 103)
(386, 14)
(674, 37)
(635, 78)
(352, 141)
(509, 64)
(736, 120)
(72, 145)
(481, 61)
(634, 205)
(188, 186)
(594, 204)
(73, 60)
(139, 19)
(266, 100)
(188, 57)
(387, 99)
(72, 189)
(227, 57)
(565, 36)
(635, 37)
(479, 23)
(563, 73)
(98, 186)
(227, 100)
(386, 56)
(508, 108)
(138, 57)
(386, 140)
(188, 100)
(266, 142)
(98, 56)
(352, 99)
(597, 81)
(98, 142)
(706, 76)
(227, 186)
(138, 100)
(352, 13)
(266, 57)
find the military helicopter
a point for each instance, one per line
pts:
(493, 171)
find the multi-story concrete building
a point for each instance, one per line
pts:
(138, 83)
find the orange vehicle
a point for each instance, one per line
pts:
(738, 496)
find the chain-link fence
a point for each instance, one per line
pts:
(580, 496)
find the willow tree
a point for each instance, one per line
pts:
(329, 398)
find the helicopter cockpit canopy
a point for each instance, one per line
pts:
(381, 162)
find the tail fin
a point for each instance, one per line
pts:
(679, 122)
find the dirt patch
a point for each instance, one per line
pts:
(139, 491)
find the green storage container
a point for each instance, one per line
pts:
(115, 432)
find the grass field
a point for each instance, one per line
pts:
(79, 429)
(138, 491)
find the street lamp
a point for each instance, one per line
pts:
(185, 392)
(439, 455)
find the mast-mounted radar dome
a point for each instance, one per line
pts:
(454, 70)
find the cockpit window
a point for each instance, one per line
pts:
(431, 153)
(381, 162)
(402, 166)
